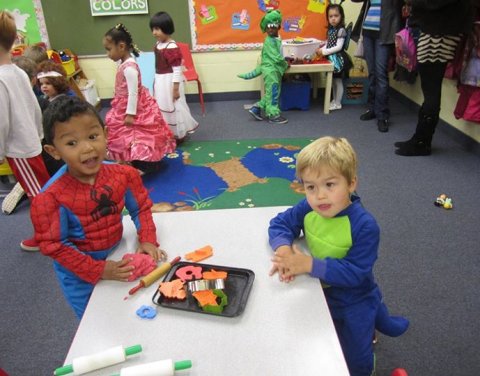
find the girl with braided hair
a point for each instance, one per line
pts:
(137, 133)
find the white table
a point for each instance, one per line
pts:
(315, 69)
(286, 329)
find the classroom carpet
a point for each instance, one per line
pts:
(202, 175)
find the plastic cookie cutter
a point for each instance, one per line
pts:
(189, 272)
(146, 312)
(219, 307)
(206, 284)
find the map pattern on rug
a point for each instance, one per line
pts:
(227, 174)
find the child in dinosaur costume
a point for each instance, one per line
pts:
(272, 68)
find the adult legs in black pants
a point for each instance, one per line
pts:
(431, 75)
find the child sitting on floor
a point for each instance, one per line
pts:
(78, 215)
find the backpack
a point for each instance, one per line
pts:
(405, 49)
(348, 29)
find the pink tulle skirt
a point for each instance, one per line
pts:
(149, 138)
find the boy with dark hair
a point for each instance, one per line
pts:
(78, 215)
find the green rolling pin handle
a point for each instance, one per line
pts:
(65, 370)
(183, 364)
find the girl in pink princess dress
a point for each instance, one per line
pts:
(137, 133)
(169, 87)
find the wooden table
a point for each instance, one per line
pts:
(285, 329)
(316, 70)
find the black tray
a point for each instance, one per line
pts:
(237, 288)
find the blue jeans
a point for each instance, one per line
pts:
(376, 55)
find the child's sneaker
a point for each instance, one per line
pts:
(11, 200)
(30, 245)
(399, 372)
(256, 112)
(334, 106)
(277, 119)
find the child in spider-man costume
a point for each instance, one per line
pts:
(78, 215)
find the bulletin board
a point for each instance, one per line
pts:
(219, 25)
(29, 19)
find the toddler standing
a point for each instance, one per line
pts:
(343, 240)
(20, 121)
(53, 81)
(272, 67)
(335, 52)
(168, 86)
(137, 132)
(78, 215)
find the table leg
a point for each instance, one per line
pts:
(328, 90)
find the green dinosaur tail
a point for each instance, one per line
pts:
(249, 75)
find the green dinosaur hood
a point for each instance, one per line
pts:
(272, 17)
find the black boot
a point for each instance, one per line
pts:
(414, 148)
(420, 143)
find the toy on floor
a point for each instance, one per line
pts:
(160, 368)
(444, 201)
(154, 276)
(399, 372)
(88, 363)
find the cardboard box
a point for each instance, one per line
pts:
(297, 49)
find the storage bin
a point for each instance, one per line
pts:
(90, 93)
(5, 169)
(69, 66)
(293, 48)
(295, 95)
(355, 90)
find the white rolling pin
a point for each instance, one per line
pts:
(102, 359)
(160, 368)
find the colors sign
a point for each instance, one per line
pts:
(115, 7)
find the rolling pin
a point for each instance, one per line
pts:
(154, 275)
(160, 368)
(88, 363)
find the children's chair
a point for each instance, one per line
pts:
(190, 73)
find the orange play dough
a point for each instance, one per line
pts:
(205, 297)
(174, 289)
(213, 274)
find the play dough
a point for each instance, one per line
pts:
(142, 262)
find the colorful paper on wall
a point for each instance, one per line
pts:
(219, 25)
